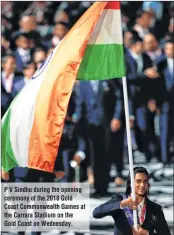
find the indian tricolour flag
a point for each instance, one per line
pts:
(33, 124)
(104, 55)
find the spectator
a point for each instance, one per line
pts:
(169, 35)
(159, 18)
(141, 88)
(171, 25)
(39, 56)
(8, 79)
(46, 27)
(165, 68)
(5, 45)
(143, 22)
(72, 10)
(28, 71)
(8, 14)
(42, 12)
(59, 32)
(61, 16)
(151, 46)
(154, 8)
(23, 52)
(28, 25)
(104, 126)
(37, 9)
(114, 127)
(128, 36)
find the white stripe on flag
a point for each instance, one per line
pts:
(22, 116)
(108, 29)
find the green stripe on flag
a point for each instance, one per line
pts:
(102, 61)
(8, 159)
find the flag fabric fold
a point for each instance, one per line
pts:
(33, 124)
(104, 54)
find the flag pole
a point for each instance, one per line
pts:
(131, 169)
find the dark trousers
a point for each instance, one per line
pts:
(31, 175)
(166, 130)
(99, 159)
(115, 146)
(141, 130)
(152, 135)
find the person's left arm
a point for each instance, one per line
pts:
(161, 224)
(59, 170)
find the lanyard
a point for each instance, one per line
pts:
(143, 214)
(128, 212)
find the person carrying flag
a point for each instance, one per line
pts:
(150, 215)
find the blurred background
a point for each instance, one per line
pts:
(94, 144)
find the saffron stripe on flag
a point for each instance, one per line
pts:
(113, 5)
(32, 127)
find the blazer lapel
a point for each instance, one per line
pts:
(2, 81)
(91, 88)
(149, 218)
(13, 83)
(91, 96)
(19, 61)
(100, 90)
(168, 79)
(132, 62)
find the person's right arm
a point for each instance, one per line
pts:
(109, 208)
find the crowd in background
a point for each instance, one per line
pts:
(94, 134)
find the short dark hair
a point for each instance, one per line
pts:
(132, 31)
(38, 49)
(6, 35)
(5, 58)
(140, 12)
(169, 41)
(26, 65)
(136, 171)
(21, 34)
(135, 39)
